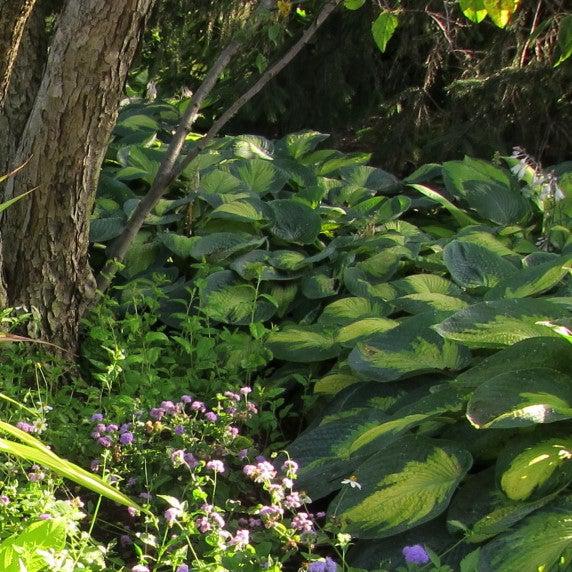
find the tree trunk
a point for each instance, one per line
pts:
(46, 234)
(13, 17)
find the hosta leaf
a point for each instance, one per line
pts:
(348, 310)
(521, 398)
(259, 176)
(500, 323)
(318, 285)
(419, 303)
(369, 178)
(243, 211)
(487, 189)
(487, 240)
(179, 244)
(218, 182)
(287, 259)
(529, 353)
(304, 344)
(409, 349)
(492, 514)
(349, 335)
(536, 544)
(253, 147)
(221, 245)
(462, 218)
(448, 399)
(254, 265)
(474, 10)
(383, 266)
(392, 208)
(501, 11)
(531, 281)
(323, 451)
(298, 144)
(426, 284)
(104, 229)
(334, 383)
(475, 266)
(237, 305)
(402, 486)
(294, 222)
(535, 467)
(383, 29)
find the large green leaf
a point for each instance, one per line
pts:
(536, 544)
(252, 147)
(531, 281)
(535, 466)
(323, 452)
(178, 244)
(293, 221)
(304, 344)
(259, 176)
(521, 398)
(318, 285)
(361, 176)
(104, 229)
(551, 352)
(219, 182)
(220, 245)
(501, 11)
(500, 323)
(245, 210)
(419, 303)
(383, 29)
(487, 189)
(426, 284)
(402, 486)
(410, 348)
(445, 400)
(475, 266)
(237, 304)
(462, 218)
(301, 143)
(348, 310)
(349, 335)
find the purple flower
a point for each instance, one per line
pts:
(95, 465)
(210, 416)
(125, 540)
(186, 398)
(232, 396)
(182, 568)
(140, 568)
(36, 476)
(4, 500)
(157, 413)
(145, 496)
(216, 466)
(327, 565)
(112, 428)
(203, 524)
(290, 467)
(198, 406)
(240, 539)
(101, 427)
(26, 427)
(168, 407)
(415, 554)
(126, 438)
(242, 454)
(303, 522)
(104, 442)
(97, 417)
(245, 390)
(125, 427)
(179, 430)
(190, 460)
(293, 500)
(45, 516)
(132, 511)
(171, 515)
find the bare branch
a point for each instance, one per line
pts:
(170, 169)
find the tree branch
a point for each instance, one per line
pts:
(170, 170)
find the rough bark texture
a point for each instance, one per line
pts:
(46, 235)
(13, 17)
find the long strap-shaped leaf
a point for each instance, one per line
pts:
(36, 452)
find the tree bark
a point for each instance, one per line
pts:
(13, 17)
(46, 235)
